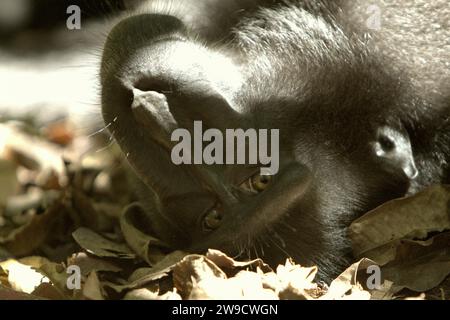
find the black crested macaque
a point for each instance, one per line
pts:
(359, 93)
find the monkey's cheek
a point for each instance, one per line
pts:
(246, 222)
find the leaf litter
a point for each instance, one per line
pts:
(70, 228)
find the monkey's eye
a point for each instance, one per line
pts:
(257, 183)
(212, 220)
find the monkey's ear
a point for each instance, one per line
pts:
(393, 148)
(160, 114)
(151, 111)
(191, 83)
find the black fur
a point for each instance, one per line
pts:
(308, 68)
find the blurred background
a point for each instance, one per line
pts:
(46, 70)
(20, 16)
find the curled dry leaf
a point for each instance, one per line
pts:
(22, 277)
(38, 228)
(225, 262)
(244, 286)
(90, 216)
(163, 267)
(33, 199)
(10, 294)
(420, 265)
(88, 264)
(420, 297)
(387, 235)
(92, 288)
(295, 282)
(147, 294)
(145, 276)
(27, 149)
(134, 225)
(48, 291)
(37, 276)
(349, 285)
(100, 246)
(198, 277)
(192, 270)
(377, 234)
(58, 276)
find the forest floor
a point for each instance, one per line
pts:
(69, 230)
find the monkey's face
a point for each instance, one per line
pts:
(327, 173)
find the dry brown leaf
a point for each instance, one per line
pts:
(33, 199)
(27, 273)
(296, 282)
(145, 276)
(347, 285)
(21, 277)
(422, 296)
(164, 266)
(60, 132)
(46, 156)
(244, 286)
(18, 242)
(386, 291)
(149, 248)
(58, 276)
(120, 285)
(10, 294)
(90, 217)
(100, 246)
(8, 180)
(92, 288)
(48, 291)
(225, 262)
(386, 236)
(357, 293)
(34, 261)
(88, 264)
(420, 265)
(146, 294)
(193, 269)
(408, 218)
